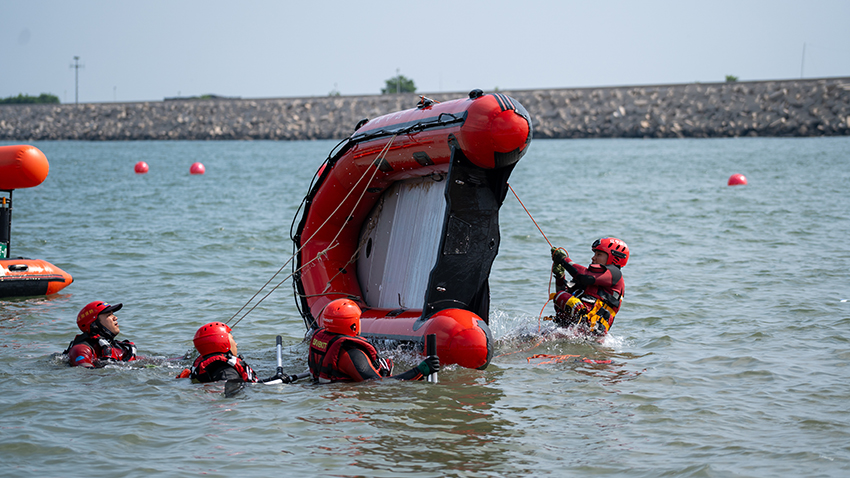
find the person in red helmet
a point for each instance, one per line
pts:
(218, 359)
(593, 297)
(339, 354)
(97, 346)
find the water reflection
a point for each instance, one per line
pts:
(408, 427)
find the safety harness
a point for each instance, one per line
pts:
(325, 348)
(201, 368)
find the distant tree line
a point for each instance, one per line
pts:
(399, 84)
(27, 99)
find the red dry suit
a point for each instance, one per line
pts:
(95, 350)
(593, 299)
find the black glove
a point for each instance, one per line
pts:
(559, 255)
(429, 365)
(558, 258)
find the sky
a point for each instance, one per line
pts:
(152, 49)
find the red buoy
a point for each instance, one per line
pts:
(22, 166)
(737, 180)
(197, 168)
(141, 167)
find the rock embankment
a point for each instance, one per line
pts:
(817, 107)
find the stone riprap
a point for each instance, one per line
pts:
(816, 107)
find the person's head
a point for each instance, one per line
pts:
(98, 318)
(214, 337)
(341, 316)
(610, 250)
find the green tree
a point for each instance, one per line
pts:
(731, 78)
(399, 84)
(27, 99)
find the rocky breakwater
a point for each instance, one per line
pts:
(699, 110)
(817, 107)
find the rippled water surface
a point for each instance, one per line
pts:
(728, 358)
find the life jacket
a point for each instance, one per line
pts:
(586, 311)
(104, 349)
(594, 306)
(325, 348)
(200, 371)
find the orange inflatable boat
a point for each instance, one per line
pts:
(23, 166)
(403, 218)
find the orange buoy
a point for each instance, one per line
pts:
(22, 166)
(737, 180)
(141, 167)
(197, 168)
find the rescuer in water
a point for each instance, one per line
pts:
(593, 297)
(339, 354)
(97, 346)
(218, 359)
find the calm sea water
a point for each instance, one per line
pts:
(729, 357)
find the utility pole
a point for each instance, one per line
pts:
(803, 61)
(76, 66)
(397, 81)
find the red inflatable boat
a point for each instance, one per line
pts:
(23, 166)
(403, 219)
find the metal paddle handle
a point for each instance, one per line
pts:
(431, 351)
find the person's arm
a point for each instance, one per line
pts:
(82, 355)
(426, 367)
(561, 264)
(356, 364)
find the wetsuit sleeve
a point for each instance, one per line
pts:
(412, 374)
(354, 363)
(598, 275)
(81, 355)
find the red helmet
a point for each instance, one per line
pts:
(617, 250)
(213, 337)
(89, 313)
(341, 316)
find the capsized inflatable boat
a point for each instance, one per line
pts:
(23, 166)
(403, 218)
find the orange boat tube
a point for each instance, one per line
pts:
(21, 277)
(22, 166)
(403, 219)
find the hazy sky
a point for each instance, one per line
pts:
(151, 49)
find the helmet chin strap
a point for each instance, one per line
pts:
(98, 329)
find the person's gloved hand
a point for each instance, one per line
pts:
(429, 365)
(559, 255)
(558, 270)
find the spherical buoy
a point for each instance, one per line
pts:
(197, 168)
(737, 180)
(141, 167)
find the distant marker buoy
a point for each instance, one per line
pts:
(737, 180)
(141, 167)
(197, 168)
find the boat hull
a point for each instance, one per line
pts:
(465, 149)
(21, 277)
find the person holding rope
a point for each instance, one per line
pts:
(593, 297)
(218, 359)
(339, 354)
(96, 346)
